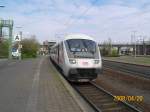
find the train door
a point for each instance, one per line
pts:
(58, 55)
(61, 55)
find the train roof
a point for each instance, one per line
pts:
(78, 36)
(74, 36)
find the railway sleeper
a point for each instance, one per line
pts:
(109, 105)
(103, 101)
(114, 109)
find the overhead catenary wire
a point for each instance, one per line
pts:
(68, 24)
(82, 14)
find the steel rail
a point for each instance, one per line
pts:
(126, 71)
(128, 68)
(108, 97)
(127, 104)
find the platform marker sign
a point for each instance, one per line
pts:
(17, 37)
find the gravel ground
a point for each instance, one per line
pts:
(120, 84)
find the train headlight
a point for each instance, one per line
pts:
(96, 61)
(72, 61)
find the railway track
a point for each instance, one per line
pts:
(133, 69)
(101, 100)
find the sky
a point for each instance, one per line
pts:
(101, 19)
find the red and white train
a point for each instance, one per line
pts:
(78, 56)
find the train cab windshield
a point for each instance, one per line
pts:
(82, 48)
(81, 45)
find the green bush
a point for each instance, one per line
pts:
(104, 52)
(108, 50)
(109, 53)
(4, 46)
(29, 48)
(114, 53)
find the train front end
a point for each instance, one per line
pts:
(84, 59)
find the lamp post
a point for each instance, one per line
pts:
(19, 43)
(134, 36)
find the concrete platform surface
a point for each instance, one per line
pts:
(34, 85)
(52, 95)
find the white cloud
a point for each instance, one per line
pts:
(45, 18)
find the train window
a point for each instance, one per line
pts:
(81, 45)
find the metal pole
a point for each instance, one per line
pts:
(134, 44)
(137, 47)
(10, 42)
(144, 51)
(145, 47)
(139, 44)
(20, 45)
(0, 31)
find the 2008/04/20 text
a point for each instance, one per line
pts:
(129, 98)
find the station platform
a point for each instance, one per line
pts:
(53, 95)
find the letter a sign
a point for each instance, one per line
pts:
(17, 38)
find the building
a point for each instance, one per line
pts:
(46, 47)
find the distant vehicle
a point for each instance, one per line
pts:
(78, 56)
(15, 53)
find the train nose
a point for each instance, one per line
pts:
(79, 73)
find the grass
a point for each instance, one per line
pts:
(131, 59)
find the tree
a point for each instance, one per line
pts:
(107, 49)
(4, 45)
(30, 47)
(104, 49)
